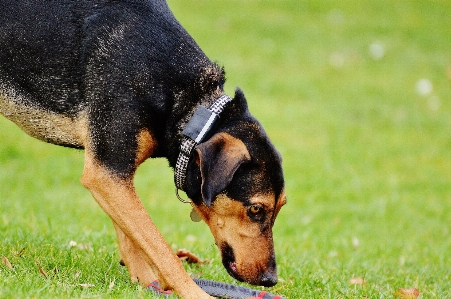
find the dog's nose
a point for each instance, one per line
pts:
(269, 279)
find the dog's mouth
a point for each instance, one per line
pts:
(228, 260)
(266, 278)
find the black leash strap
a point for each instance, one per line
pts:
(218, 290)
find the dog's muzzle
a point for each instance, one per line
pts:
(266, 278)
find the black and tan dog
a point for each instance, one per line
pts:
(125, 82)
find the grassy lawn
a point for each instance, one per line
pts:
(356, 95)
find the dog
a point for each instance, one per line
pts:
(125, 82)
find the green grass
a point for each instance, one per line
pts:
(366, 157)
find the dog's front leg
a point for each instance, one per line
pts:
(118, 198)
(137, 267)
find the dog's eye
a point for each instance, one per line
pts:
(255, 209)
(256, 212)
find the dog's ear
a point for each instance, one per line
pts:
(218, 159)
(240, 99)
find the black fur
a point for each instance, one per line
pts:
(260, 175)
(67, 57)
(125, 67)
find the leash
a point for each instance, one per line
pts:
(194, 133)
(217, 289)
(230, 291)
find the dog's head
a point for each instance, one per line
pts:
(242, 191)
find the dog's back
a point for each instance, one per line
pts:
(59, 60)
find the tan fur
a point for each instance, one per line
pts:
(280, 203)
(228, 222)
(139, 238)
(146, 146)
(139, 270)
(234, 147)
(46, 126)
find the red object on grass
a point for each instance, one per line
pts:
(156, 288)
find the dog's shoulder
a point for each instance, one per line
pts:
(55, 51)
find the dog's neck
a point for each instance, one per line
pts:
(197, 129)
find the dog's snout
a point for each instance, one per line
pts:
(269, 279)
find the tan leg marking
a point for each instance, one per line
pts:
(137, 267)
(118, 198)
(146, 146)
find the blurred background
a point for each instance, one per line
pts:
(356, 95)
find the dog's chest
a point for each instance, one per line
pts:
(47, 126)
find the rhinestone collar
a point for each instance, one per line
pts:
(194, 133)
